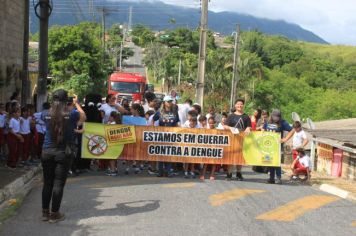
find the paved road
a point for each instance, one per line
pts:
(134, 64)
(144, 205)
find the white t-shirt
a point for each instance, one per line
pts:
(25, 125)
(107, 109)
(183, 112)
(220, 126)
(304, 161)
(186, 125)
(40, 124)
(208, 116)
(2, 120)
(298, 139)
(14, 125)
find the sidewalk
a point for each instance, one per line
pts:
(334, 185)
(13, 181)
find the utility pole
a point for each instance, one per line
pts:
(202, 52)
(130, 19)
(235, 73)
(103, 14)
(91, 10)
(24, 77)
(179, 70)
(43, 53)
(121, 47)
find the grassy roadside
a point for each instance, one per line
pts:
(157, 84)
(9, 208)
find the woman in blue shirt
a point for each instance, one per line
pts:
(168, 116)
(58, 152)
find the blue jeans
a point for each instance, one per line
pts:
(275, 171)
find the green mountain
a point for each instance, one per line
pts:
(158, 16)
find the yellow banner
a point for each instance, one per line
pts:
(173, 144)
(106, 141)
(120, 134)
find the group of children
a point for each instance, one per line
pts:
(21, 134)
(168, 113)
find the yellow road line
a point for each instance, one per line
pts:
(180, 185)
(221, 198)
(297, 208)
(353, 224)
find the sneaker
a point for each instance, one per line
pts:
(137, 170)
(271, 181)
(293, 177)
(278, 181)
(228, 177)
(127, 171)
(142, 167)
(10, 167)
(20, 165)
(186, 175)
(212, 178)
(111, 173)
(151, 172)
(56, 217)
(202, 177)
(34, 161)
(26, 163)
(239, 176)
(45, 215)
(192, 174)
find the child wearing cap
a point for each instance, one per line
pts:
(168, 116)
(277, 124)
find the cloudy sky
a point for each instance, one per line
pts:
(333, 20)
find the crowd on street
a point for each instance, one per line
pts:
(53, 137)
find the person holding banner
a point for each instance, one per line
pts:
(58, 152)
(192, 123)
(168, 117)
(277, 124)
(237, 122)
(114, 119)
(110, 106)
(136, 118)
(211, 125)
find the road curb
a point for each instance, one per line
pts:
(18, 184)
(336, 191)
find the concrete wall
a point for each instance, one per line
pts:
(325, 157)
(349, 166)
(11, 46)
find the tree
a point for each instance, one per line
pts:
(142, 35)
(76, 50)
(281, 51)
